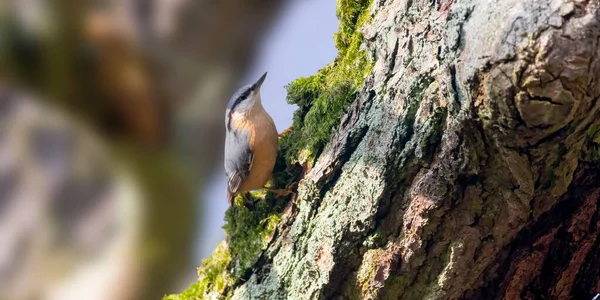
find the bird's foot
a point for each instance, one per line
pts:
(288, 190)
(282, 192)
(286, 132)
(248, 200)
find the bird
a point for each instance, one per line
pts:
(251, 141)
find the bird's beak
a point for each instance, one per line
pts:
(260, 81)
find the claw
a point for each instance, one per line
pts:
(248, 201)
(286, 132)
(282, 192)
(288, 190)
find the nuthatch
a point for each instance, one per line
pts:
(251, 141)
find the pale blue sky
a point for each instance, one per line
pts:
(299, 43)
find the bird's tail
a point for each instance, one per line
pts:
(230, 197)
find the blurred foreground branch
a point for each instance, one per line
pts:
(117, 74)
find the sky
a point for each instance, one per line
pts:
(299, 43)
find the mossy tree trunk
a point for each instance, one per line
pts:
(465, 167)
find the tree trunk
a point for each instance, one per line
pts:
(465, 167)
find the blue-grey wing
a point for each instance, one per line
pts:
(238, 159)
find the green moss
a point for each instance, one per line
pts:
(249, 230)
(594, 133)
(323, 98)
(426, 281)
(213, 277)
(593, 145)
(593, 153)
(350, 289)
(396, 285)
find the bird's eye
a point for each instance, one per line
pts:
(246, 94)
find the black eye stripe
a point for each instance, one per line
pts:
(245, 94)
(242, 97)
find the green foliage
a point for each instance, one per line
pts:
(323, 97)
(213, 276)
(249, 230)
(352, 15)
(313, 127)
(190, 294)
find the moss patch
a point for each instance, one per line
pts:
(593, 145)
(213, 277)
(426, 281)
(323, 98)
(250, 230)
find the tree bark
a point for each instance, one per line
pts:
(466, 167)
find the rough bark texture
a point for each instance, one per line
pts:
(466, 167)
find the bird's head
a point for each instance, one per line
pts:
(244, 99)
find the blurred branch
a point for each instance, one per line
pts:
(139, 80)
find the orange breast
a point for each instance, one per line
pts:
(263, 142)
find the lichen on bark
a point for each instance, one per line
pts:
(212, 277)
